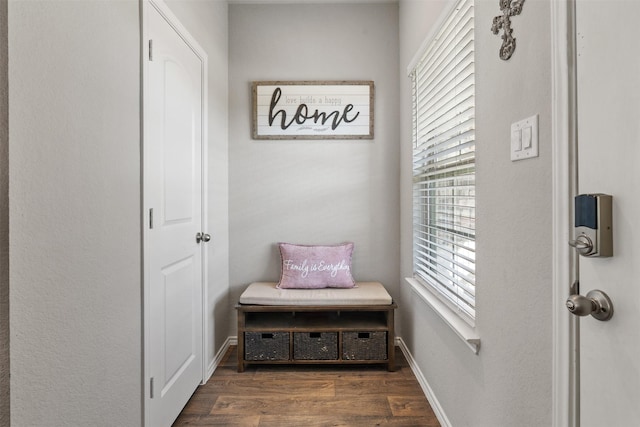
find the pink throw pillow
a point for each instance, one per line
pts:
(314, 267)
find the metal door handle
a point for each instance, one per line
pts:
(202, 237)
(596, 303)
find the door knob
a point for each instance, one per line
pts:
(202, 237)
(596, 303)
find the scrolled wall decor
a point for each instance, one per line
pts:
(509, 8)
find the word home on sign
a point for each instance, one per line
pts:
(313, 110)
(302, 114)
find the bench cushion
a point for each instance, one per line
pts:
(365, 293)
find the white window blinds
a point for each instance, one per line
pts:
(444, 163)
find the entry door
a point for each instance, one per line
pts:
(608, 79)
(173, 200)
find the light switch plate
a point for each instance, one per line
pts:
(524, 139)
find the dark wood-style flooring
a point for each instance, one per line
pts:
(309, 396)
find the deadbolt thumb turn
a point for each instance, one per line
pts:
(596, 303)
(202, 237)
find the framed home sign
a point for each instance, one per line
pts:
(313, 110)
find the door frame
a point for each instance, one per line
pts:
(565, 331)
(175, 23)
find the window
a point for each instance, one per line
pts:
(444, 163)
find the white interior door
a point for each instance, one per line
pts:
(173, 199)
(608, 81)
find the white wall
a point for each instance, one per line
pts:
(207, 22)
(509, 382)
(75, 206)
(313, 192)
(4, 220)
(74, 120)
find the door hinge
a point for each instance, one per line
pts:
(151, 388)
(150, 50)
(151, 218)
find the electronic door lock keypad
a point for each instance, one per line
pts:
(593, 225)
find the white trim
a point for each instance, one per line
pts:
(231, 340)
(565, 404)
(170, 17)
(462, 329)
(146, 321)
(424, 384)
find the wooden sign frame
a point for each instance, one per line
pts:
(312, 109)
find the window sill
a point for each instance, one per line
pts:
(464, 331)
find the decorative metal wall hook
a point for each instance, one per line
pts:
(509, 8)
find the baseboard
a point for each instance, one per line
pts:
(220, 354)
(428, 392)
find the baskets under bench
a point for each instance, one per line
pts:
(328, 326)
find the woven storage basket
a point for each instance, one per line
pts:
(364, 346)
(266, 346)
(315, 345)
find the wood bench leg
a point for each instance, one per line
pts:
(240, 333)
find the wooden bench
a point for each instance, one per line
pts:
(312, 326)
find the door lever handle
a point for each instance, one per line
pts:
(202, 237)
(596, 303)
